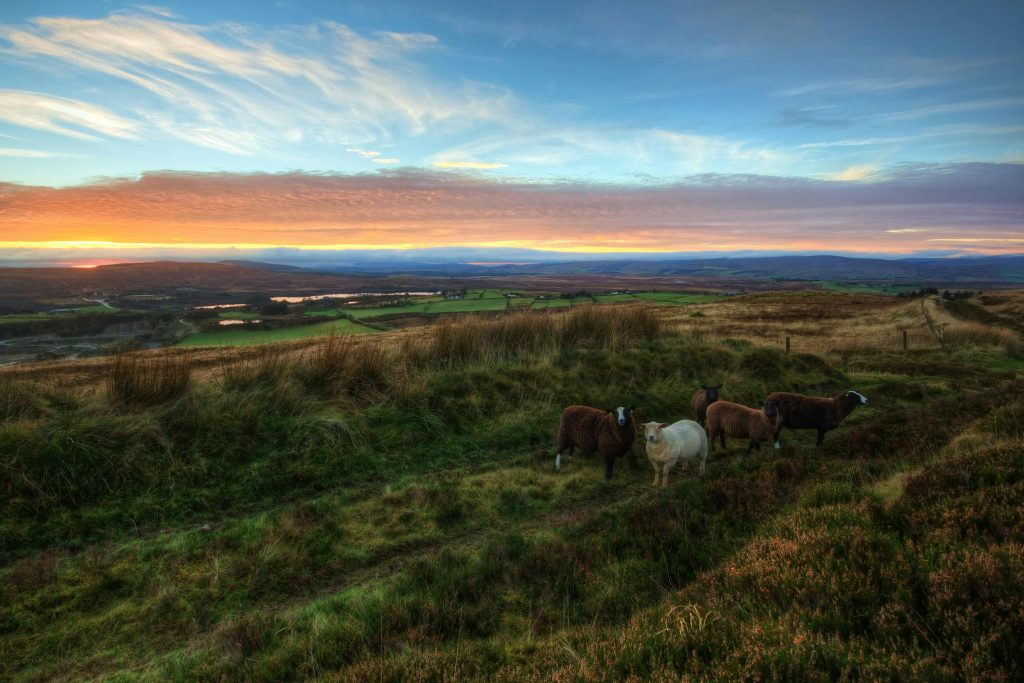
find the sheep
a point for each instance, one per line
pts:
(610, 433)
(732, 419)
(704, 397)
(668, 444)
(797, 411)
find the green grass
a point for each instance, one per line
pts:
(78, 310)
(238, 315)
(855, 287)
(235, 337)
(467, 305)
(672, 298)
(477, 301)
(368, 515)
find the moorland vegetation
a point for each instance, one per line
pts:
(385, 507)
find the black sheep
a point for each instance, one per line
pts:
(797, 411)
(704, 397)
(610, 433)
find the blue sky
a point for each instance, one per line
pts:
(629, 94)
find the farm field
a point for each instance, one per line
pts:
(242, 337)
(385, 507)
(496, 300)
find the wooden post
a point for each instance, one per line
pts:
(787, 344)
(905, 344)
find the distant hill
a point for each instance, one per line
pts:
(975, 270)
(35, 286)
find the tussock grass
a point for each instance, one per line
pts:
(521, 334)
(368, 511)
(133, 380)
(980, 334)
(21, 401)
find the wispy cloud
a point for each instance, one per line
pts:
(242, 89)
(63, 116)
(629, 150)
(949, 130)
(855, 174)
(479, 165)
(29, 153)
(972, 203)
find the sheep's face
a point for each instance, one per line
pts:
(860, 397)
(621, 415)
(652, 431)
(711, 393)
(770, 409)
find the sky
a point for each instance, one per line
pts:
(238, 129)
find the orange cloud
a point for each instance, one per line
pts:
(974, 207)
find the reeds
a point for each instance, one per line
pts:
(341, 365)
(134, 380)
(456, 341)
(980, 334)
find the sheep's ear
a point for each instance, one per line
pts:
(631, 408)
(704, 387)
(663, 425)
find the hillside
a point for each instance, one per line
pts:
(990, 270)
(386, 508)
(33, 285)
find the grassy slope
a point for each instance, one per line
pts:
(412, 527)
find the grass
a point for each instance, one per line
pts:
(386, 509)
(856, 287)
(238, 315)
(493, 300)
(73, 311)
(243, 337)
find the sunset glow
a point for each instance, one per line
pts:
(133, 133)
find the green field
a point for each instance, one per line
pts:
(236, 337)
(393, 514)
(671, 298)
(496, 300)
(836, 286)
(238, 315)
(22, 317)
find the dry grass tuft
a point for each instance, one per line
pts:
(147, 381)
(980, 334)
(340, 364)
(269, 366)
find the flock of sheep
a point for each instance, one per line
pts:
(611, 433)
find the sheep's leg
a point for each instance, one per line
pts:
(657, 474)
(721, 435)
(821, 436)
(609, 463)
(703, 459)
(776, 437)
(750, 447)
(664, 474)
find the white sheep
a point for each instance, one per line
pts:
(668, 444)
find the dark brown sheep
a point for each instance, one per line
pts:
(704, 397)
(797, 411)
(610, 433)
(733, 420)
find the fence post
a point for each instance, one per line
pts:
(787, 344)
(905, 344)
